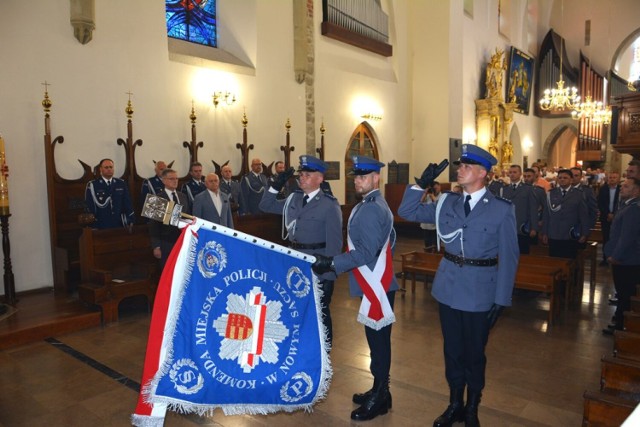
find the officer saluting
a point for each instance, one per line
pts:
(471, 285)
(312, 221)
(371, 239)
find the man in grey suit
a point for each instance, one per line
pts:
(213, 205)
(565, 219)
(471, 286)
(163, 237)
(523, 198)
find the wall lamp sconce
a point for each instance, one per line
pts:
(371, 116)
(227, 98)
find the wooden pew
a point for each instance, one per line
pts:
(565, 265)
(632, 321)
(604, 409)
(115, 265)
(540, 278)
(620, 377)
(626, 345)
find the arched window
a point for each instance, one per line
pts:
(634, 69)
(193, 21)
(362, 142)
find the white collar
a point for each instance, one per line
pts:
(313, 194)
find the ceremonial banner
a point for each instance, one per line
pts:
(236, 325)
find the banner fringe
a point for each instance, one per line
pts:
(377, 325)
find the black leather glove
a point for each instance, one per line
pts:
(282, 178)
(323, 264)
(431, 173)
(494, 313)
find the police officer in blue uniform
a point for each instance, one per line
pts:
(230, 187)
(565, 219)
(369, 261)
(195, 185)
(312, 221)
(474, 281)
(154, 184)
(108, 199)
(524, 200)
(252, 189)
(623, 249)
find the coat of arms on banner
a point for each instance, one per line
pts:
(246, 335)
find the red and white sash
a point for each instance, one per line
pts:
(375, 310)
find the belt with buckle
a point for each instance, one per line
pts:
(489, 262)
(296, 245)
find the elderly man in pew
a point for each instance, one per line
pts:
(108, 199)
(623, 250)
(524, 200)
(163, 237)
(475, 280)
(213, 204)
(565, 219)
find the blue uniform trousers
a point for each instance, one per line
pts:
(625, 279)
(380, 347)
(465, 336)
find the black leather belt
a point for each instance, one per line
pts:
(296, 245)
(470, 261)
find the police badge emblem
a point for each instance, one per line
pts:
(212, 259)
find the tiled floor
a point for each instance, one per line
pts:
(536, 374)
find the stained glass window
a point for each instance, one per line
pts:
(192, 20)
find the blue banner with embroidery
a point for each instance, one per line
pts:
(243, 330)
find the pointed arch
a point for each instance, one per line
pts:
(560, 146)
(363, 142)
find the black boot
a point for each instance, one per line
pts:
(378, 403)
(471, 410)
(454, 412)
(360, 398)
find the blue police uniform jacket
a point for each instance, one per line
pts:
(232, 189)
(192, 188)
(526, 206)
(624, 240)
(111, 205)
(319, 221)
(252, 188)
(562, 213)
(592, 203)
(369, 228)
(488, 232)
(151, 185)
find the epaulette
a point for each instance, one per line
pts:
(504, 200)
(455, 193)
(371, 198)
(330, 196)
(297, 190)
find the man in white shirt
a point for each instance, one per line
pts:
(213, 205)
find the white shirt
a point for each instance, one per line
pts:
(475, 197)
(217, 201)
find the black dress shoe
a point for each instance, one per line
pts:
(361, 398)
(378, 403)
(613, 301)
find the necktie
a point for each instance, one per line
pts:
(174, 196)
(467, 205)
(514, 186)
(564, 192)
(305, 199)
(109, 183)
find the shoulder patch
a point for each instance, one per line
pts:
(502, 199)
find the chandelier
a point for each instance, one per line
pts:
(560, 98)
(603, 116)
